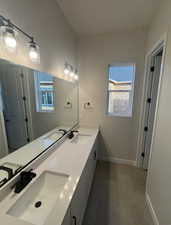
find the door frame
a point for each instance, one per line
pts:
(3, 135)
(148, 58)
(28, 106)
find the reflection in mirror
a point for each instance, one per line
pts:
(34, 107)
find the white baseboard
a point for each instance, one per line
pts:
(151, 209)
(118, 160)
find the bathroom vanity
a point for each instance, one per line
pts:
(59, 193)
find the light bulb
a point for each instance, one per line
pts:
(34, 53)
(66, 71)
(76, 77)
(72, 74)
(9, 39)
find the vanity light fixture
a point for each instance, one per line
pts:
(71, 71)
(8, 31)
(9, 37)
(34, 51)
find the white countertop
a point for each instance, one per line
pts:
(69, 158)
(29, 151)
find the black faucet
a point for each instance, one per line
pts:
(8, 170)
(25, 178)
(63, 130)
(71, 134)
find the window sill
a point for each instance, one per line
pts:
(119, 115)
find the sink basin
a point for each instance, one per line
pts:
(54, 137)
(36, 203)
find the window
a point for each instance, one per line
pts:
(44, 86)
(120, 89)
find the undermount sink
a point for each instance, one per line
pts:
(55, 136)
(36, 203)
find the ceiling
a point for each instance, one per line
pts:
(90, 17)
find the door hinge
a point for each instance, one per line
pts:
(148, 100)
(24, 98)
(145, 128)
(152, 69)
(22, 75)
(26, 120)
(28, 139)
(143, 154)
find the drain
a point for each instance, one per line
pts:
(38, 204)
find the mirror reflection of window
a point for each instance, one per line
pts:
(44, 86)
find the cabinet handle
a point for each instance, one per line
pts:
(95, 155)
(75, 220)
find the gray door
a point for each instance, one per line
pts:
(14, 109)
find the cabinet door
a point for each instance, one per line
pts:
(78, 206)
(93, 162)
(79, 202)
(67, 219)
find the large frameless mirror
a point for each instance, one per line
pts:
(35, 111)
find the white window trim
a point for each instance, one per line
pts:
(129, 115)
(37, 95)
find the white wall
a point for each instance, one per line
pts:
(119, 134)
(61, 116)
(67, 92)
(44, 20)
(159, 180)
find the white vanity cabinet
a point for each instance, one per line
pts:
(67, 219)
(80, 199)
(75, 213)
